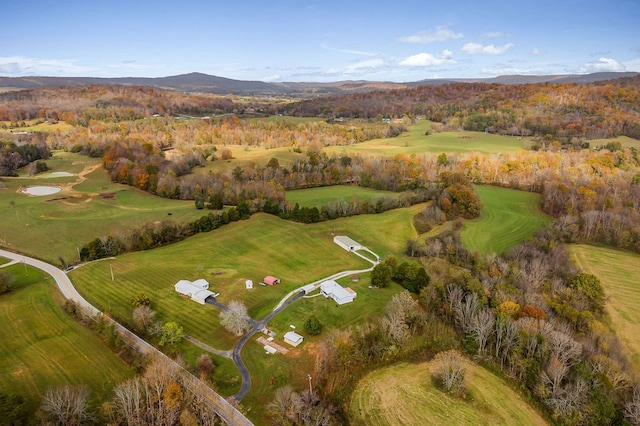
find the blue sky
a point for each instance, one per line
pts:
(295, 40)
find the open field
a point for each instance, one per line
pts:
(251, 249)
(618, 271)
(507, 218)
(624, 140)
(38, 125)
(406, 395)
(81, 212)
(416, 142)
(243, 155)
(316, 197)
(42, 347)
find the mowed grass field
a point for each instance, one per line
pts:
(618, 271)
(508, 217)
(405, 395)
(415, 141)
(41, 346)
(54, 226)
(316, 197)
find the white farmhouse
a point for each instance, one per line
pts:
(332, 290)
(198, 290)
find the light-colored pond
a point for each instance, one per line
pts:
(55, 175)
(41, 190)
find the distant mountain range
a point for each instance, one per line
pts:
(198, 82)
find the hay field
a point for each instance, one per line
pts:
(618, 271)
(41, 346)
(405, 395)
(508, 217)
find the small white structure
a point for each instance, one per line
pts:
(347, 243)
(198, 290)
(293, 338)
(248, 284)
(308, 288)
(270, 349)
(332, 290)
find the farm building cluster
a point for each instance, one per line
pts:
(197, 290)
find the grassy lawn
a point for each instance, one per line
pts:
(316, 197)
(42, 347)
(416, 142)
(618, 271)
(624, 140)
(42, 127)
(244, 155)
(508, 217)
(405, 395)
(80, 213)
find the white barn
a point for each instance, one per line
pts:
(293, 338)
(332, 290)
(198, 290)
(347, 243)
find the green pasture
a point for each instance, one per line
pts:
(41, 346)
(262, 245)
(316, 197)
(508, 217)
(55, 226)
(624, 140)
(415, 141)
(37, 126)
(618, 271)
(405, 394)
(247, 155)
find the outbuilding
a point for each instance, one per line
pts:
(347, 243)
(293, 338)
(269, 280)
(332, 290)
(198, 290)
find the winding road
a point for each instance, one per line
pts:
(227, 412)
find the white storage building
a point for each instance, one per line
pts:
(198, 290)
(332, 290)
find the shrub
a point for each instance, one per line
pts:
(312, 326)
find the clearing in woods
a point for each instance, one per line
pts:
(383, 397)
(507, 218)
(618, 271)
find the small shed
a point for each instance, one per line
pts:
(293, 338)
(355, 278)
(269, 280)
(248, 284)
(347, 243)
(308, 288)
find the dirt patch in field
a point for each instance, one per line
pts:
(108, 196)
(466, 137)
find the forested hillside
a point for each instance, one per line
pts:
(596, 110)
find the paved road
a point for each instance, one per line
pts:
(223, 408)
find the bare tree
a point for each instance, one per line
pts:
(450, 370)
(235, 319)
(143, 316)
(205, 365)
(127, 402)
(466, 311)
(482, 327)
(506, 338)
(67, 405)
(400, 315)
(285, 405)
(632, 407)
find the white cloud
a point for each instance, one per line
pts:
(270, 78)
(602, 64)
(538, 52)
(369, 63)
(489, 49)
(441, 33)
(429, 60)
(23, 66)
(353, 52)
(495, 34)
